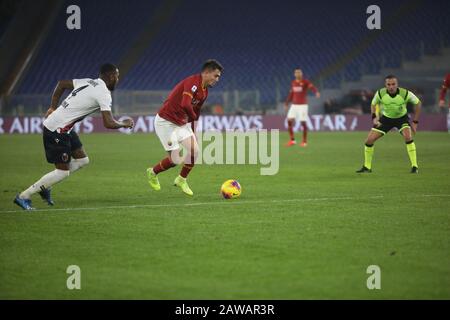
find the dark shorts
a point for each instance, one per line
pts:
(59, 146)
(386, 124)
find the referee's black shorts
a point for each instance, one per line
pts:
(386, 124)
(59, 146)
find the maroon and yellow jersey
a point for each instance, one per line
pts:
(299, 91)
(184, 101)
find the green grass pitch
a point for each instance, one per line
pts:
(309, 232)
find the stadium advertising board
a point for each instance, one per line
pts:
(144, 123)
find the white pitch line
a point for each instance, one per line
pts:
(224, 202)
(436, 195)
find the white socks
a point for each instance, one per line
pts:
(47, 181)
(54, 177)
(76, 164)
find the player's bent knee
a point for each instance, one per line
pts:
(373, 136)
(175, 157)
(407, 136)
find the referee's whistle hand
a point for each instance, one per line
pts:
(376, 123)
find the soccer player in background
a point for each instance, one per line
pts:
(174, 123)
(62, 145)
(443, 92)
(392, 101)
(299, 107)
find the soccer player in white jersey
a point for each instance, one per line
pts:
(62, 145)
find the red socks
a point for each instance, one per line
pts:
(291, 129)
(305, 131)
(167, 163)
(186, 169)
(163, 165)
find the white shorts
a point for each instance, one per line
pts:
(299, 112)
(171, 134)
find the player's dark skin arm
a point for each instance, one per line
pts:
(111, 123)
(57, 93)
(314, 90)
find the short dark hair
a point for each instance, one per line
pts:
(390, 76)
(212, 65)
(107, 68)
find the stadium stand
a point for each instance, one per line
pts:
(258, 42)
(108, 29)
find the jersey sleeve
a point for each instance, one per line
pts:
(376, 99)
(290, 95)
(311, 87)
(105, 101)
(79, 82)
(197, 109)
(189, 88)
(412, 98)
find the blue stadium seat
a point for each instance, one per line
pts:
(258, 42)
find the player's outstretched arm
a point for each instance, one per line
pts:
(314, 89)
(57, 93)
(111, 123)
(417, 110)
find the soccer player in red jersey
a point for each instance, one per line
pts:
(444, 88)
(174, 123)
(299, 107)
